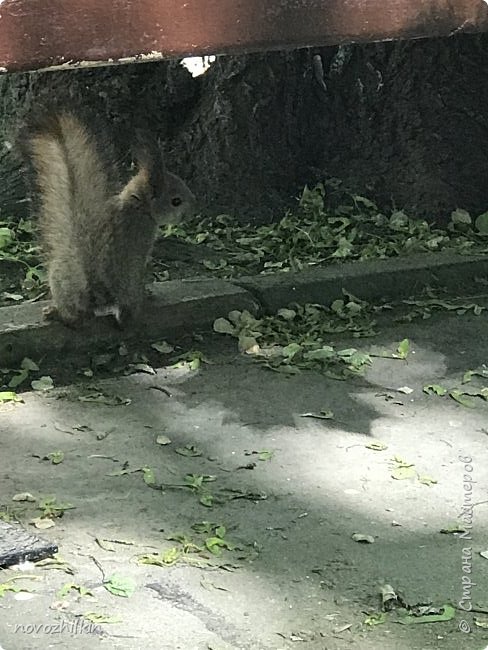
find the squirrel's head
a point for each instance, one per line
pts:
(172, 200)
(169, 197)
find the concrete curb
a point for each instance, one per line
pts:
(378, 280)
(187, 305)
(174, 307)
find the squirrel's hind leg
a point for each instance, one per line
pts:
(129, 309)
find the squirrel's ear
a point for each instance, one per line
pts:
(146, 149)
(148, 155)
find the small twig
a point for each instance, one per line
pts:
(99, 567)
(163, 390)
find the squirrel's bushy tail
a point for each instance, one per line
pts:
(69, 171)
(96, 232)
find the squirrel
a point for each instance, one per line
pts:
(97, 234)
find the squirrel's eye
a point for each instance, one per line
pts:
(176, 201)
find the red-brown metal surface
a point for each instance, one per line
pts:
(43, 33)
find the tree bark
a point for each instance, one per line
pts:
(404, 123)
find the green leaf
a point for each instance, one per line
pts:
(462, 398)
(220, 531)
(99, 619)
(51, 508)
(71, 586)
(168, 558)
(216, 544)
(247, 344)
(364, 201)
(435, 389)
(9, 586)
(427, 480)
(207, 500)
(29, 365)
(401, 461)
(223, 326)
(56, 457)
(376, 445)
(447, 614)
(194, 481)
(43, 384)
(18, 379)
(188, 450)
(403, 349)
(402, 473)
(377, 618)
(289, 351)
(195, 363)
(287, 314)
(326, 352)
(6, 238)
(347, 353)
(481, 223)
(120, 586)
(148, 476)
(204, 527)
(461, 217)
(9, 396)
(163, 347)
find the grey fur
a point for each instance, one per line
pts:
(98, 238)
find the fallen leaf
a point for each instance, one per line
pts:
(448, 613)
(435, 389)
(42, 523)
(43, 383)
(55, 457)
(453, 530)
(376, 445)
(405, 389)
(207, 500)
(377, 618)
(427, 480)
(163, 440)
(120, 585)
(223, 326)
(403, 349)
(462, 398)
(148, 476)
(363, 539)
(403, 473)
(163, 347)
(9, 396)
(24, 496)
(94, 617)
(101, 398)
(188, 450)
(322, 415)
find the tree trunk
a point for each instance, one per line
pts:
(404, 123)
